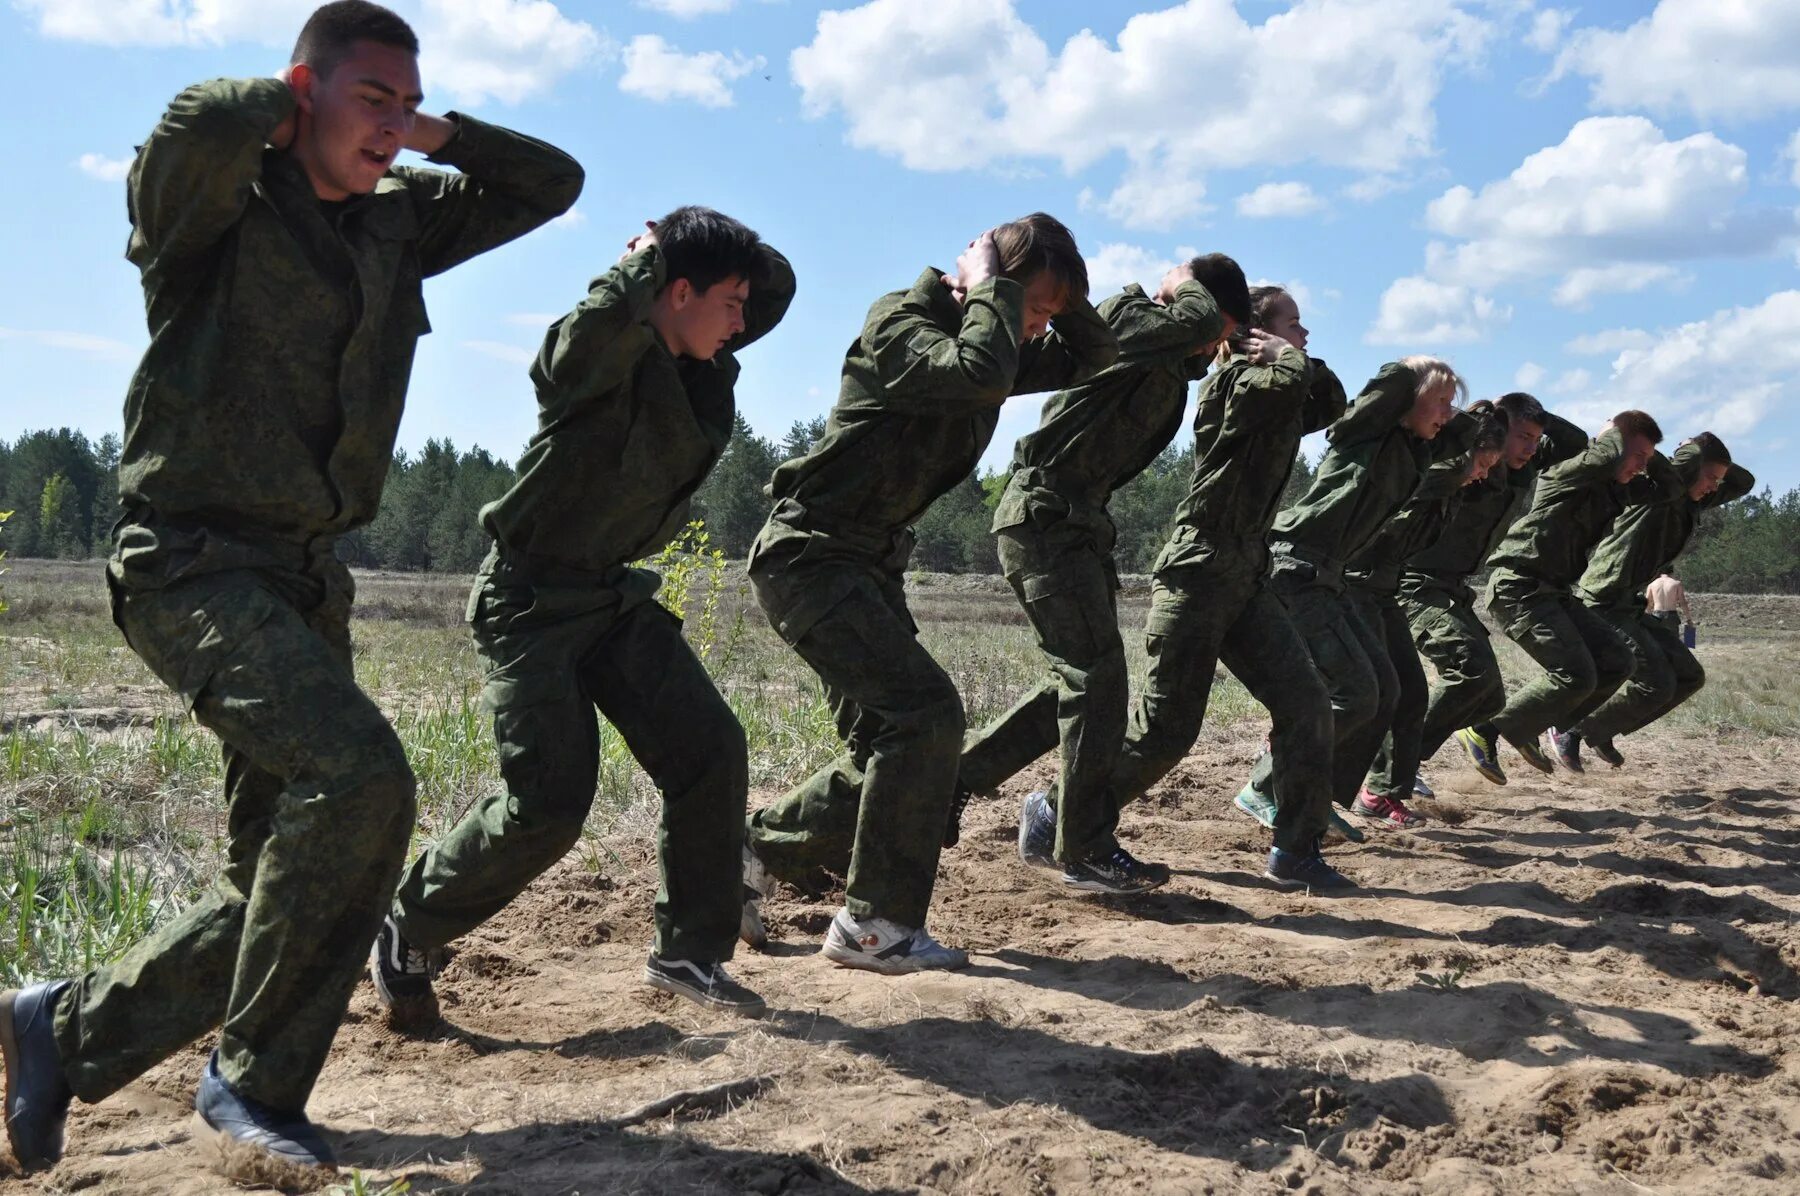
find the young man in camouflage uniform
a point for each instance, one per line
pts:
(1535, 569)
(1055, 541)
(1434, 587)
(921, 395)
(635, 406)
(1642, 545)
(282, 253)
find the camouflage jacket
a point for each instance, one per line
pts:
(1486, 508)
(1371, 467)
(1377, 566)
(1247, 432)
(1574, 505)
(1096, 436)
(1647, 537)
(282, 329)
(627, 431)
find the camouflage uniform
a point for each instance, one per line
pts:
(626, 433)
(920, 397)
(259, 428)
(1373, 578)
(1371, 468)
(1209, 598)
(1530, 591)
(1056, 540)
(1440, 606)
(1643, 542)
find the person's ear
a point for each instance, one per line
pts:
(681, 292)
(302, 78)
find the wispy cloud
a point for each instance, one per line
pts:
(74, 342)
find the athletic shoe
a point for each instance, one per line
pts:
(702, 983)
(1301, 870)
(286, 1135)
(37, 1095)
(878, 945)
(1117, 871)
(1421, 789)
(759, 886)
(1037, 831)
(1339, 829)
(1567, 747)
(1483, 754)
(1604, 749)
(402, 976)
(1533, 754)
(1257, 805)
(953, 828)
(1389, 811)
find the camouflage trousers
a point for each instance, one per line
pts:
(1220, 610)
(1449, 634)
(1393, 752)
(556, 653)
(1064, 578)
(320, 810)
(1584, 657)
(1664, 675)
(876, 814)
(1352, 661)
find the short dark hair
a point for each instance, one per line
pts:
(1261, 303)
(1039, 242)
(1491, 424)
(707, 247)
(1519, 406)
(1712, 449)
(1224, 281)
(326, 38)
(1637, 423)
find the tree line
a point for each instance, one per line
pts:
(62, 490)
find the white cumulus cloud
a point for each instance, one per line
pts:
(656, 70)
(1607, 210)
(1178, 92)
(687, 10)
(107, 170)
(1724, 373)
(1608, 342)
(1580, 285)
(1711, 58)
(1530, 376)
(1420, 313)
(471, 51)
(1279, 199)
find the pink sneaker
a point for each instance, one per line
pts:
(1389, 811)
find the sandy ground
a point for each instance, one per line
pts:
(1615, 957)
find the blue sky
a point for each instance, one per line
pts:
(1597, 204)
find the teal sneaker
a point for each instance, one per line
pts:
(1339, 829)
(1256, 805)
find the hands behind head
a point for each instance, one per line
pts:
(1177, 274)
(643, 240)
(1259, 346)
(978, 263)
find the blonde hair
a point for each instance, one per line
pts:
(1433, 372)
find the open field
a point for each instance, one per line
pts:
(1571, 984)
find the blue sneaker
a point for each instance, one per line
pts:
(284, 1135)
(37, 1095)
(1421, 789)
(1257, 805)
(1299, 870)
(1037, 831)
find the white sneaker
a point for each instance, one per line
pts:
(878, 945)
(758, 887)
